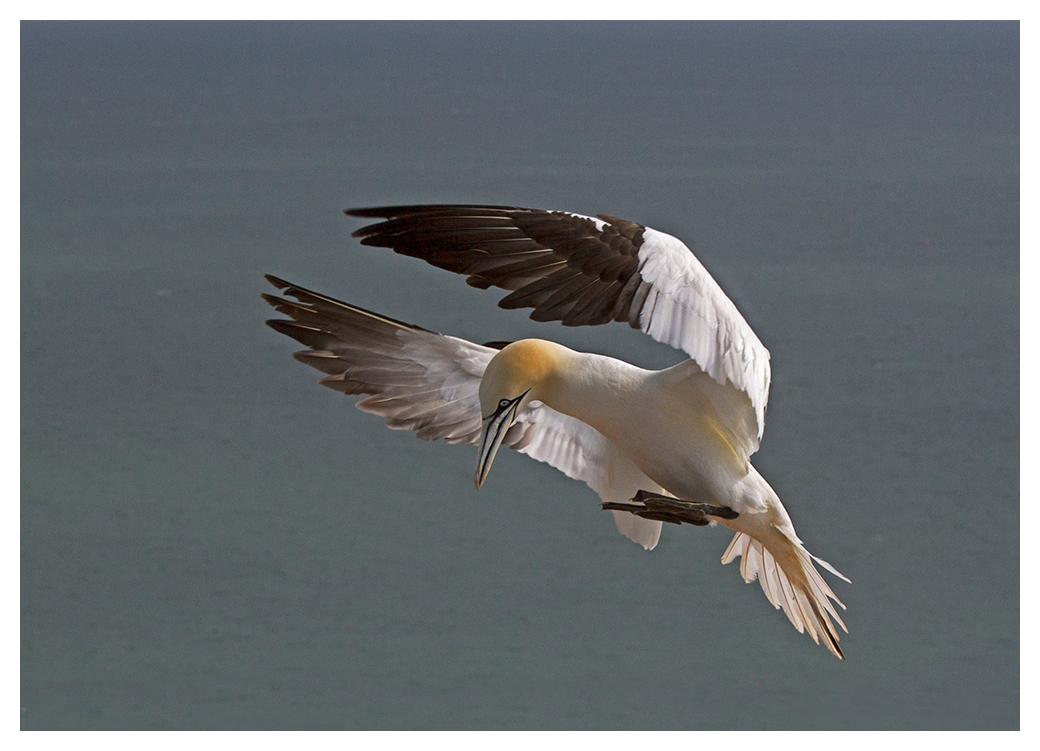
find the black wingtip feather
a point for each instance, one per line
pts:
(277, 282)
(426, 208)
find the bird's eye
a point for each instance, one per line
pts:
(504, 403)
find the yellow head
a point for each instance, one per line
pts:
(520, 372)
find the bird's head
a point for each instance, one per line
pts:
(520, 372)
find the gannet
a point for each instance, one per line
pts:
(669, 445)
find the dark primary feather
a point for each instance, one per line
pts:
(558, 263)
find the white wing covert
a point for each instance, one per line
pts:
(583, 453)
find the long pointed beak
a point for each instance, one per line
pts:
(494, 431)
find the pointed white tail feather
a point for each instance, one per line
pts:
(830, 568)
(803, 595)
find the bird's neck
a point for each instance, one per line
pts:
(592, 388)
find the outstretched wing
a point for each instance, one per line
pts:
(584, 270)
(416, 379)
(429, 383)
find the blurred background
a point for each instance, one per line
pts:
(210, 539)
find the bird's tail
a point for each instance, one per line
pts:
(785, 570)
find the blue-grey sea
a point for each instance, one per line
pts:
(210, 539)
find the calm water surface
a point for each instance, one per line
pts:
(211, 540)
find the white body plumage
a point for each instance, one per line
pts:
(685, 433)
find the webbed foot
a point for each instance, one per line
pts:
(667, 509)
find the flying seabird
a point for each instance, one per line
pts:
(670, 445)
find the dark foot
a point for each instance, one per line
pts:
(666, 509)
